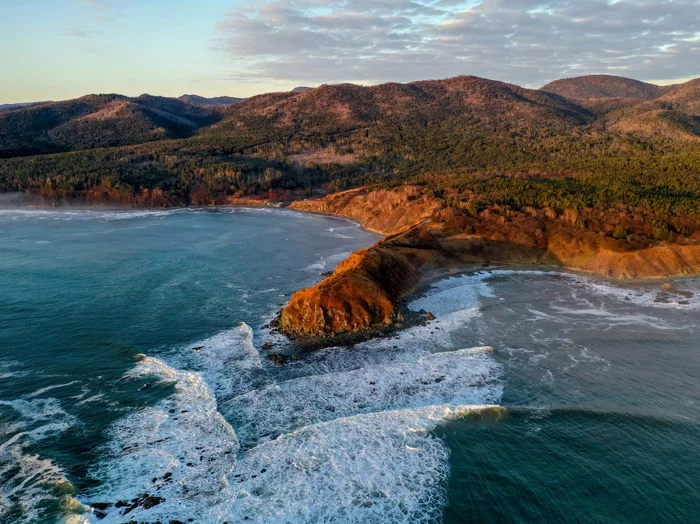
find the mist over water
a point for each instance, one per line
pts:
(132, 366)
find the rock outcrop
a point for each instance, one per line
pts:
(365, 289)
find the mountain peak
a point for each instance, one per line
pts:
(596, 87)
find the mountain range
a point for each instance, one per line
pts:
(611, 103)
(578, 142)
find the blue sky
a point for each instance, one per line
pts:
(59, 49)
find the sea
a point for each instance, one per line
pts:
(135, 383)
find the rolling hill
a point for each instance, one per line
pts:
(596, 87)
(475, 142)
(98, 121)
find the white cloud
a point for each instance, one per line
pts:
(528, 42)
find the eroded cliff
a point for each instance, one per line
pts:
(365, 289)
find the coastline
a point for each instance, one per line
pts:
(422, 243)
(425, 242)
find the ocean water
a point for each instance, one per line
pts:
(134, 384)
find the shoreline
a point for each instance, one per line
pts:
(254, 204)
(372, 312)
(364, 296)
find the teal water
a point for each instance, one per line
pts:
(132, 365)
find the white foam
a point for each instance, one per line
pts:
(29, 481)
(180, 449)
(352, 428)
(228, 360)
(455, 297)
(39, 418)
(70, 214)
(455, 301)
(379, 467)
(41, 391)
(316, 266)
(636, 294)
(467, 376)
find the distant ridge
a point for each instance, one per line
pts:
(477, 107)
(466, 98)
(21, 105)
(217, 101)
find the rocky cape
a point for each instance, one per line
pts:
(424, 235)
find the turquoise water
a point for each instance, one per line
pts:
(134, 384)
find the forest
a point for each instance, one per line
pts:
(474, 143)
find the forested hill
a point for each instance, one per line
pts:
(98, 121)
(604, 86)
(586, 142)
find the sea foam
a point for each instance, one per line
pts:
(181, 449)
(30, 482)
(467, 376)
(342, 436)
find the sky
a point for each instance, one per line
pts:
(61, 49)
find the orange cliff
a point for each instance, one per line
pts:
(364, 290)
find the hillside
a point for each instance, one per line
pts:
(473, 142)
(98, 121)
(596, 87)
(348, 106)
(21, 105)
(685, 97)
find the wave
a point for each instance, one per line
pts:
(379, 467)
(181, 449)
(229, 361)
(76, 214)
(684, 294)
(31, 485)
(329, 262)
(373, 468)
(342, 436)
(467, 376)
(351, 446)
(455, 295)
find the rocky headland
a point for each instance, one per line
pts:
(423, 235)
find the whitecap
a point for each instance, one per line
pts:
(455, 295)
(467, 376)
(180, 450)
(316, 266)
(71, 214)
(373, 468)
(29, 481)
(228, 360)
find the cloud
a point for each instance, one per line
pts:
(82, 32)
(528, 42)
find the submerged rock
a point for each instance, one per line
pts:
(278, 359)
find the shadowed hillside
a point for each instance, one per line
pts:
(217, 101)
(97, 121)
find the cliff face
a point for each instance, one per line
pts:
(381, 211)
(362, 293)
(364, 290)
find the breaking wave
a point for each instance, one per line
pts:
(32, 486)
(333, 438)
